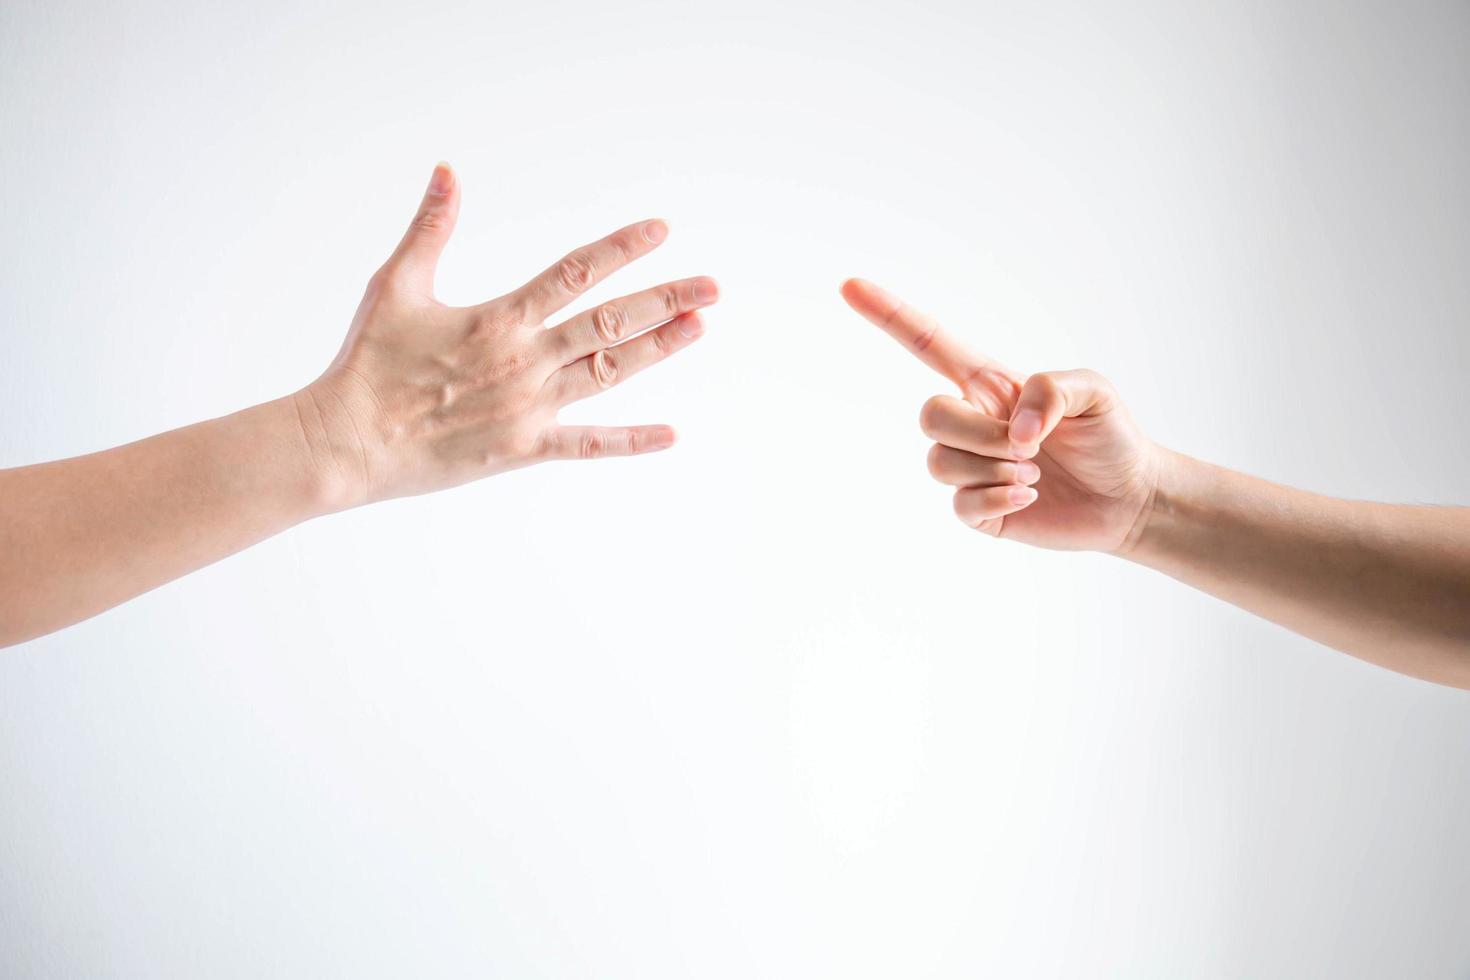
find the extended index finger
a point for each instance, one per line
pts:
(926, 339)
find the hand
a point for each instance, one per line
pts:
(425, 396)
(1052, 460)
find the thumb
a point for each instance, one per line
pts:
(417, 256)
(1048, 398)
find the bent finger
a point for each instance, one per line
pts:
(976, 505)
(958, 468)
(957, 423)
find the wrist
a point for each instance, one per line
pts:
(1166, 509)
(328, 454)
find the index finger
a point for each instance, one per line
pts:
(918, 332)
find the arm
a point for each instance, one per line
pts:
(1387, 583)
(78, 536)
(421, 397)
(1054, 460)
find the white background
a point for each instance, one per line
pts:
(757, 707)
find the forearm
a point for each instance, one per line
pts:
(1389, 584)
(78, 536)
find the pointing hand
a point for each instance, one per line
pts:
(1052, 459)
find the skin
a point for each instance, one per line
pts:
(1054, 460)
(421, 397)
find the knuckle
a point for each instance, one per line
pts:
(1096, 382)
(386, 287)
(592, 445)
(669, 297)
(1045, 383)
(515, 309)
(380, 286)
(431, 220)
(575, 272)
(523, 444)
(444, 395)
(489, 322)
(926, 337)
(513, 362)
(609, 322)
(524, 312)
(604, 369)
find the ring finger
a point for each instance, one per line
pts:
(597, 372)
(959, 424)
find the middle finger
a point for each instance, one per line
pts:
(615, 321)
(959, 424)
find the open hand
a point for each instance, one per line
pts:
(424, 396)
(1052, 459)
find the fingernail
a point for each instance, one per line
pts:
(706, 291)
(663, 438)
(690, 325)
(1027, 471)
(655, 232)
(442, 180)
(1020, 496)
(1026, 426)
